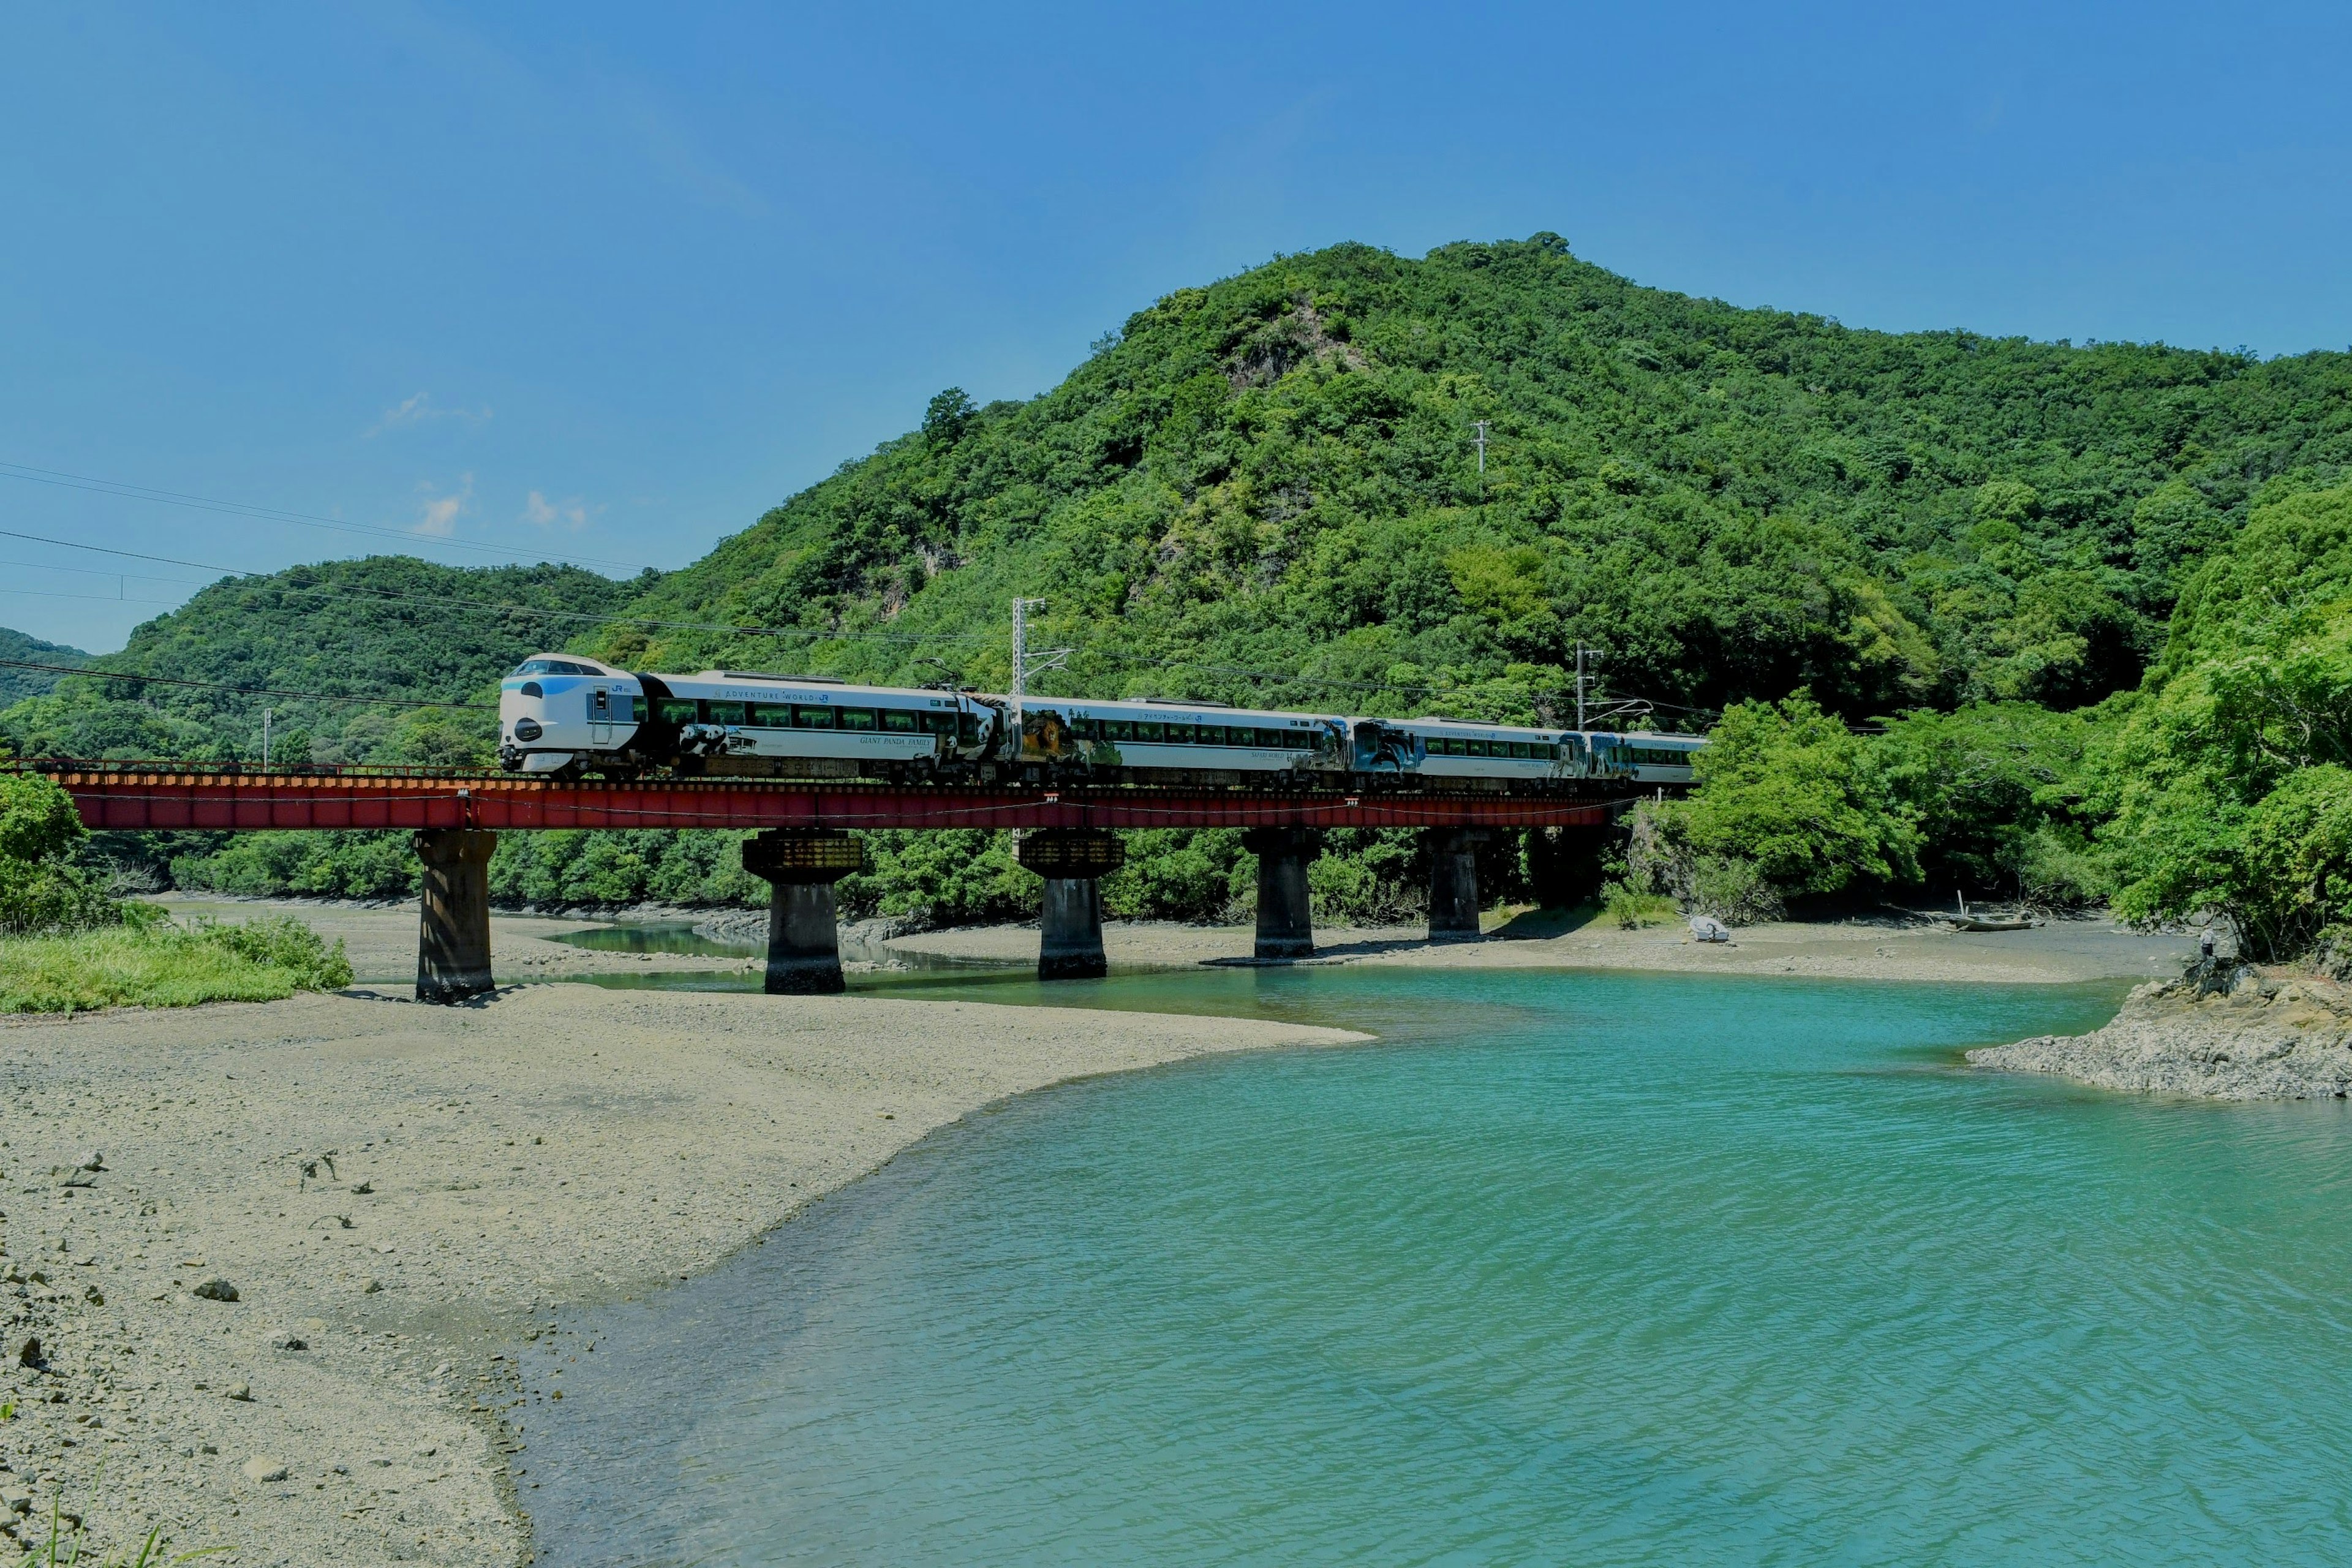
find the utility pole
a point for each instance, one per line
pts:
(1024, 664)
(1480, 426)
(1580, 651)
(265, 737)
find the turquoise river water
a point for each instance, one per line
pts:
(1569, 1268)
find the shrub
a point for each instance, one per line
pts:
(1733, 890)
(1633, 910)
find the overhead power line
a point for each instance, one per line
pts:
(96, 486)
(439, 601)
(242, 691)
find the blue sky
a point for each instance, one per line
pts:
(603, 283)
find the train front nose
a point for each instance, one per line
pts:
(522, 712)
(524, 727)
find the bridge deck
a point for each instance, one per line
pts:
(153, 796)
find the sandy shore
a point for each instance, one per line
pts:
(381, 940)
(408, 1201)
(1892, 948)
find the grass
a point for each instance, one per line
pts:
(70, 1546)
(157, 963)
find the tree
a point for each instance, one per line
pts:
(2225, 786)
(41, 886)
(946, 416)
(1789, 789)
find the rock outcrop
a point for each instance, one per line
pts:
(2223, 1032)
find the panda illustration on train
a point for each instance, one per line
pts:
(564, 715)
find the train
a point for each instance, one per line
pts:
(564, 715)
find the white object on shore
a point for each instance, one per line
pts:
(1706, 928)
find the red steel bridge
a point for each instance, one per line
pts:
(803, 848)
(179, 795)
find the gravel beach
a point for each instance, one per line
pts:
(2257, 1035)
(289, 1279)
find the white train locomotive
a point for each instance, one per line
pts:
(558, 713)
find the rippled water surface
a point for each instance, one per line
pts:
(1576, 1268)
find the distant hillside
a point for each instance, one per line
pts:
(18, 684)
(386, 626)
(1268, 489)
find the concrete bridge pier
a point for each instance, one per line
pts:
(1453, 882)
(800, 866)
(1285, 919)
(1069, 928)
(453, 935)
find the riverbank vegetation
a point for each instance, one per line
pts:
(1969, 614)
(68, 944)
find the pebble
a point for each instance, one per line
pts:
(215, 1290)
(261, 1470)
(288, 1341)
(241, 1392)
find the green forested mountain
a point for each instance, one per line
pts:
(1268, 489)
(16, 685)
(388, 626)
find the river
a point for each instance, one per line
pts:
(1569, 1267)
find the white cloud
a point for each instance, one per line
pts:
(421, 410)
(571, 513)
(437, 514)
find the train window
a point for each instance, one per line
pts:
(1521, 750)
(722, 713)
(771, 715)
(678, 711)
(1457, 747)
(1118, 729)
(899, 720)
(858, 718)
(1236, 736)
(637, 709)
(812, 718)
(1148, 732)
(941, 722)
(1176, 735)
(1298, 739)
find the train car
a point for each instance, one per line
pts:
(1059, 737)
(560, 712)
(1655, 759)
(1467, 749)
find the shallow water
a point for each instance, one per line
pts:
(656, 936)
(1592, 1267)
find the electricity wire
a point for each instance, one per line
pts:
(223, 686)
(64, 480)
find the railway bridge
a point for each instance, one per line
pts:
(804, 845)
